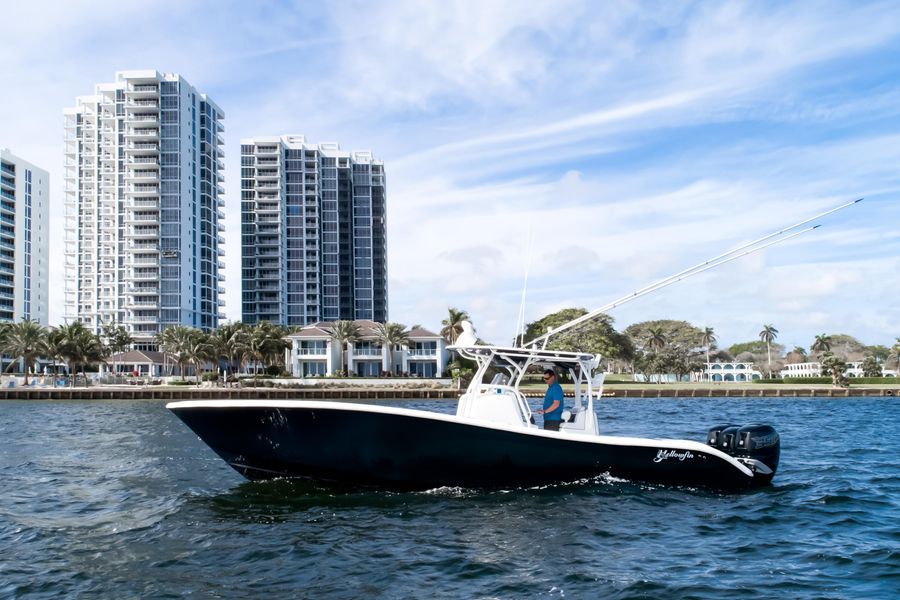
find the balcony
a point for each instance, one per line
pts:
(143, 232)
(413, 352)
(137, 290)
(367, 352)
(144, 189)
(142, 89)
(141, 119)
(312, 351)
(145, 133)
(143, 305)
(268, 207)
(144, 160)
(142, 260)
(143, 248)
(152, 103)
(142, 148)
(143, 319)
(143, 175)
(145, 275)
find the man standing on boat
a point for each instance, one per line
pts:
(553, 402)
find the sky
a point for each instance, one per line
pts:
(586, 148)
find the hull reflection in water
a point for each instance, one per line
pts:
(400, 448)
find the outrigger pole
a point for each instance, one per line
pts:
(729, 256)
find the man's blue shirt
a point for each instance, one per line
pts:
(554, 392)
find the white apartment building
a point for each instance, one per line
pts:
(314, 353)
(313, 233)
(24, 240)
(144, 217)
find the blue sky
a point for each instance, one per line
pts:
(627, 139)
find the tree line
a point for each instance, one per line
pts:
(680, 348)
(233, 345)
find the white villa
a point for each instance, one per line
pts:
(814, 369)
(727, 372)
(313, 353)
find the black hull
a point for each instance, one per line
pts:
(399, 449)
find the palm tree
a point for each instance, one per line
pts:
(343, 333)
(452, 325)
(707, 338)
(896, 350)
(390, 335)
(4, 330)
(768, 335)
(266, 344)
(657, 338)
(196, 348)
(26, 339)
(54, 348)
(230, 341)
(175, 339)
(166, 341)
(822, 343)
(79, 347)
(117, 339)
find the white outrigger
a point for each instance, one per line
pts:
(492, 439)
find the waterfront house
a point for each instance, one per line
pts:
(728, 372)
(814, 369)
(314, 353)
(143, 363)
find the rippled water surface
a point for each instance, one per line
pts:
(120, 500)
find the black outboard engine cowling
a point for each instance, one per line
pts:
(715, 438)
(757, 442)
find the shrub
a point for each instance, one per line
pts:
(808, 380)
(875, 380)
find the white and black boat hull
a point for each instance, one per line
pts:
(406, 449)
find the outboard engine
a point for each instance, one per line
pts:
(758, 445)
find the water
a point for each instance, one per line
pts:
(120, 500)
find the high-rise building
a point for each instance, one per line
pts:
(144, 217)
(313, 233)
(24, 240)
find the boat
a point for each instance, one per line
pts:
(492, 440)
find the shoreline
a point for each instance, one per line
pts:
(173, 393)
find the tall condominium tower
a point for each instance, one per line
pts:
(313, 234)
(24, 240)
(144, 193)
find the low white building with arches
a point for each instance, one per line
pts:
(727, 372)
